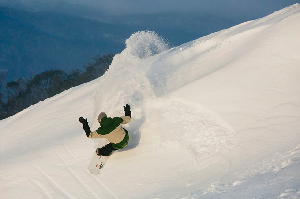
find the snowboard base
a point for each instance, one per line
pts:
(97, 163)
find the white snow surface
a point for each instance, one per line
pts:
(218, 117)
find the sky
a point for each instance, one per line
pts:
(237, 8)
(222, 7)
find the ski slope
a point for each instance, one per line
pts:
(218, 117)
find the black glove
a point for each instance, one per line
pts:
(127, 110)
(82, 120)
(86, 126)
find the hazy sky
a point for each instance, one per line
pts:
(236, 8)
(230, 7)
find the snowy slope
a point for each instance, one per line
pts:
(218, 117)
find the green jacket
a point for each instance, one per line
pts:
(111, 130)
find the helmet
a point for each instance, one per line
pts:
(101, 115)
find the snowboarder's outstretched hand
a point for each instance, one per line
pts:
(82, 120)
(86, 126)
(127, 110)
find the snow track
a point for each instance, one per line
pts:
(42, 187)
(89, 192)
(80, 183)
(57, 188)
(88, 173)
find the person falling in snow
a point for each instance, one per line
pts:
(111, 129)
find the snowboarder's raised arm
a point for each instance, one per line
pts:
(127, 117)
(87, 129)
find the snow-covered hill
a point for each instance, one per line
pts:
(218, 117)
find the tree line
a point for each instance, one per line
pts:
(24, 92)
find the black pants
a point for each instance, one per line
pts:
(107, 150)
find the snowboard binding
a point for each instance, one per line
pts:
(107, 150)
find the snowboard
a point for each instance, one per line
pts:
(98, 162)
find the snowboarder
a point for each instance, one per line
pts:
(111, 129)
